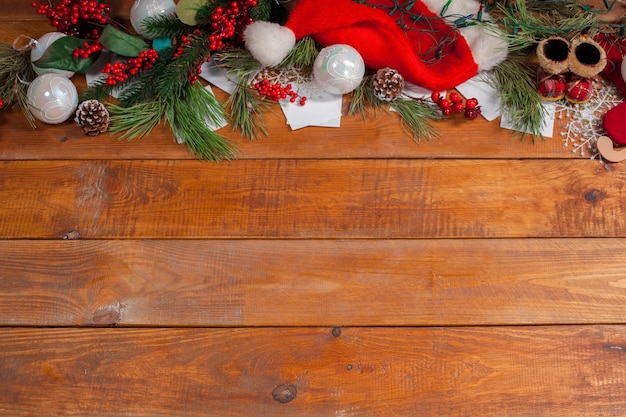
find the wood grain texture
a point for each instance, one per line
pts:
(312, 199)
(312, 282)
(512, 371)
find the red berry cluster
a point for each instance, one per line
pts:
(454, 104)
(274, 91)
(87, 50)
(80, 18)
(228, 22)
(120, 71)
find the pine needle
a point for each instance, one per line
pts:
(16, 72)
(515, 80)
(417, 117)
(135, 121)
(190, 127)
(246, 111)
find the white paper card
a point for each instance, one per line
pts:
(218, 76)
(321, 108)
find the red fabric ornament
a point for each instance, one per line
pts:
(551, 86)
(578, 89)
(430, 51)
(613, 121)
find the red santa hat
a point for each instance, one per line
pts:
(423, 44)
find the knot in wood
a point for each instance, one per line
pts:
(285, 393)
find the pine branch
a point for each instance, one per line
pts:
(135, 121)
(176, 74)
(302, 55)
(364, 98)
(417, 117)
(262, 11)
(16, 72)
(246, 110)
(515, 80)
(186, 117)
(165, 26)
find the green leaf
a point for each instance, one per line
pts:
(59, 55)
(121, 42)
(186, 11)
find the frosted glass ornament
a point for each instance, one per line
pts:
(41, 45)
(52, 99)
(338, 69)
(143, 9)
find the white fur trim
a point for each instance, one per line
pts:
(486, 41)
(268, 42)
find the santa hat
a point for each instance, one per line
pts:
(429, 51)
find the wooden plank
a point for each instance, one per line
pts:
(312, 282)
(311, 199)
(512, 371)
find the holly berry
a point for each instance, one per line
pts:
(455, 97)
(471, 103)
(435, 96)
(458, 106)
(472, 113)
(275, 92)
(1, 103)
(119, 72)
(80, 18)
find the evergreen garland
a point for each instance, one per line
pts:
(16, 72)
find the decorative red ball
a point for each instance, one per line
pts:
(435, 96)
(471, 103)
(455, 97)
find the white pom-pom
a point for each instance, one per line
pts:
(269, 43)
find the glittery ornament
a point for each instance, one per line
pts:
(52, 99)
(338, 69)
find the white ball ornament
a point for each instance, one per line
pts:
(624, 68)
(52, 99)
(338, 69)
(144, 9)
(41, 45)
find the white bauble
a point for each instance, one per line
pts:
(624, 69)
(143, 9)
(41, 45)
(52, 99)
(338, 69)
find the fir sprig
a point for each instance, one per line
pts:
(189, 116)
(165, 26)
(136, 121)
(246, 111)
(515, 80)
(245, 107)
(16, 72)
(302, 55)
(417, 117)
(364, 98)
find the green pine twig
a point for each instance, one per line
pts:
(417, 117)
(515, 79)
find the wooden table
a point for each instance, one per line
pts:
(324, 272)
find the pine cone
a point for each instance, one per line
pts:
(92, 117)
(388, 84)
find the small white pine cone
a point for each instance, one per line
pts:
(92, 117)
(388, 84)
